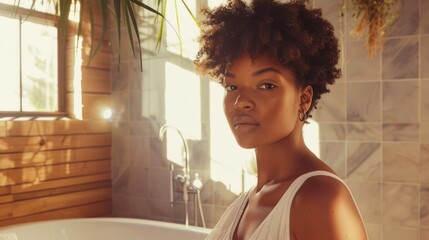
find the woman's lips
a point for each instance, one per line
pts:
(244, 124)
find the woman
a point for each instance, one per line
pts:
(275, 60)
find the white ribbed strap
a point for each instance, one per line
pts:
(276, 226)
(291, 192)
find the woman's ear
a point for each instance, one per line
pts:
(306, 98)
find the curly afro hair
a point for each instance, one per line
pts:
(297, 36)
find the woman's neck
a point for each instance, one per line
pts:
(281, 160)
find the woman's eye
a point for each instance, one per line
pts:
(267, 86)
(230, 88)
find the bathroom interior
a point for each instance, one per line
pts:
(143, 136)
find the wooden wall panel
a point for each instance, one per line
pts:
(50, 142)
(61, 169)
(38, 128)
(96, 209)
(95, 104)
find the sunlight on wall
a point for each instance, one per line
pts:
(29, 82)
(187, 29)
(39, 67)
(182, 89)
(215, 3)
(9, 65)
(311, 136)
(44, 6)
(182, 108)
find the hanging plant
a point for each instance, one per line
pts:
(373, 20)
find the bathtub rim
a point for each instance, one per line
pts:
(147, 222)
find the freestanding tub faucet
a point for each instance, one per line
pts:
(185, 178)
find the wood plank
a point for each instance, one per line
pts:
(3, 129)
(74, 169)
(37, 174)
(56, 183)
(61, 190)
(5, 190)
(81, 54)
(95, 74)
(86, 30)
(73, 27)
(6, 199)
(44, 158)
(60, 127)
(97, 209)
(103, 45)
(6, 210)
(4, 180)
(96, 80)
(44, 204)
(96, 86)
(17, 176)
(43, 143)
(102, 60)
(92, 80)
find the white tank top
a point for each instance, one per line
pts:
(276, 225)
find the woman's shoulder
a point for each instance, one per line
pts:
(321, 186)
(325, 204)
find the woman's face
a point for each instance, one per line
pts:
(262, 101)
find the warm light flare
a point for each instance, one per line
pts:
(107, 113)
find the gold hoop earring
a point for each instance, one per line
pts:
(302, 116)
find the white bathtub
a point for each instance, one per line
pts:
(102, 229)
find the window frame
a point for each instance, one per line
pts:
(38, 17)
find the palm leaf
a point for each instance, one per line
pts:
(178, 27)
(79, 28)
(190, 13)
(91, 20)
(117, 6)
(161, 4)
(124, 11)
(136, 31)
(128, 24)
(64, 8)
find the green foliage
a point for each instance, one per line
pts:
(125, 12)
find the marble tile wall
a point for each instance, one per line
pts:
(374, 131)
(376, 119)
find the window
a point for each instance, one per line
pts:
(30, 79)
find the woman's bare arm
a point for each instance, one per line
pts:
(324, 209)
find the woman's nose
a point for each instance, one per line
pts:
(243, 103)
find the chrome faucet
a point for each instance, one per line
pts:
(185, 179)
